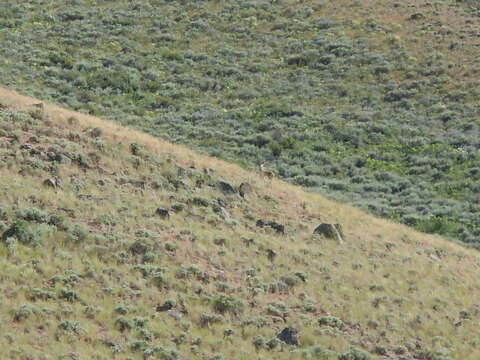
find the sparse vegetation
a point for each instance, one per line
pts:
(116, 244)
(91, 266)
(370, 102)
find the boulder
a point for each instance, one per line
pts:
(330, 231)
(289, 336)
(226, 188)
(245, 190)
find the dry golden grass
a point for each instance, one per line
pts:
(392, 285)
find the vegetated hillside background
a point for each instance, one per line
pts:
(115, 245)
(370, 102)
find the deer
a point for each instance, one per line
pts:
(267, 174)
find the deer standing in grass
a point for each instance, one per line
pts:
(267, 174)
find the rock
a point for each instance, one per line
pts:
(261, 223)
(271, 254)
(59, 157)
(226, 188)
(139, 248)
(222, 202)
(289, 336)
(163, 213)
(167, 305)
(141, 184)
(273, 224)
(177, 315)
(330, 231)
(224, 214)
(220, 210)
(96, 132)
(197, 201)
(179, 184)
(417, 16)
(52, 182)
(277, 227)
(62, 159)
(245, 189)
(220, 241)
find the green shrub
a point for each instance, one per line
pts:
(228, 304)
(23, 232)
(207, 319)
(77, 234)
(69, 326)
(331, 321)
(354, 353)
(33, 214)
(24, 312)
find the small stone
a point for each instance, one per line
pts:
(272, 224)
(261, 223)
(96, 132)
(51, 182)
(167, 305)
(163, 213)
(289, 336)
(271, 254)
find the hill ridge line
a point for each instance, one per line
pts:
(19, 101)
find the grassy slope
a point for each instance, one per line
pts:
(395, 290)
(355, 99)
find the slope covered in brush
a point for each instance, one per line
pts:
(372, 102)
(116, 245)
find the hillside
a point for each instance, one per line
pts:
(370, 102)
(118, 245)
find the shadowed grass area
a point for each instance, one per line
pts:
(139, 249)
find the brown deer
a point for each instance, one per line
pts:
(267, 174)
